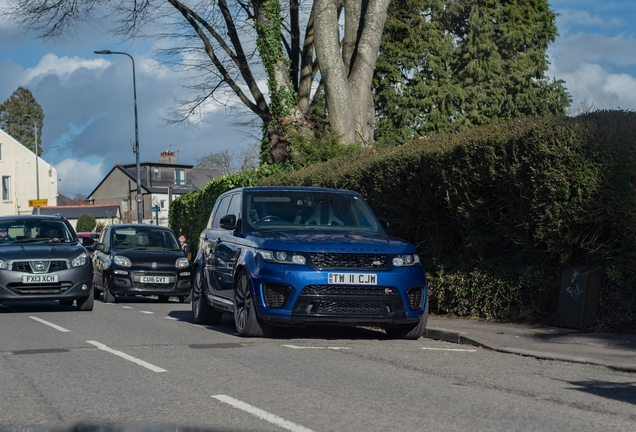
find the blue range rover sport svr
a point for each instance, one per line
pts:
(298, 256)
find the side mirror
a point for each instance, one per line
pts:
(99, 246)
(384, 224)
(228, 222)
(87, 241)
(187, 249)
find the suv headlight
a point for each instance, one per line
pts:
(81, 260)
(282, 257)
(122, 261)
(3, 265)
(182, 263)
(406, 260)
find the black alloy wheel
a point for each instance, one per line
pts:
(202, 312)
(247, 322)
(107, 296)
(86, 304)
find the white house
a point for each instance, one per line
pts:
(18, 178)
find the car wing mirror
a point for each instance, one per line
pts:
(384, 224)
(228, 222)
(99, 246)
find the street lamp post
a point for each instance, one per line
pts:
(138, 197)
(37, 173)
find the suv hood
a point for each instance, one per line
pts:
(35, 251)
(330, 241)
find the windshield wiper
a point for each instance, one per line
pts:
(30, 240)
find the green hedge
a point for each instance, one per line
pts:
(498, 212)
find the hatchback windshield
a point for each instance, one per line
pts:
(144, 238)
(34, 231)
(272, 210)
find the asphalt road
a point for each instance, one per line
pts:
(143, 365)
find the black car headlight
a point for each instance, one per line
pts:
(282, 257)
(122, 261)
(80, 260)
(406, 260)
(182, 263)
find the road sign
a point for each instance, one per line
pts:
(38, 203)
(155, 209)
(139, 198)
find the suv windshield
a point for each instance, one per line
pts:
(144, 238)
(35, 231)
(275, 210)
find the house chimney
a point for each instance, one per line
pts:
(168, 157)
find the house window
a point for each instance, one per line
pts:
(157, 173)
(0, 151)
(124, 205)
(6, 188)
(179, 177)
(163, 204)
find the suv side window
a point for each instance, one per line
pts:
(221, 211)
(235, 206)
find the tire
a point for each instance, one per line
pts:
(186, 299)
(202, 312)
(107, 296)
(66, 302)
(412, 332)
(96, 294)
(247, 322)
(86, 304)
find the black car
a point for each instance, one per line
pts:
(41, 258)
(137, 259)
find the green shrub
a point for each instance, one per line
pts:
(86, 223)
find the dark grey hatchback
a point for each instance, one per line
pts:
(41, 258)
(140, 260)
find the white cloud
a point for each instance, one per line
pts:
(78, 177)
(594, 84)
(63, 67)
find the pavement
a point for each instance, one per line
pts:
(613, 350)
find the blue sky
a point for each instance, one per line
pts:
(88, 99)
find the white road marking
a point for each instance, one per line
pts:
(314, 347)
(56, 327)
(147, 312)
(171, 318)
(127, 307)
(449, 349)
(147, 365)
(274, 419)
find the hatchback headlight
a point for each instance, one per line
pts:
(82, 259)
(406, 260)
(122, 261)
(182, 263)
(282, 257)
